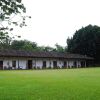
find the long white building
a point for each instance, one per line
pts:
(12, 59)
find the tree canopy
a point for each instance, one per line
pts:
(33, 46)
(24, 45)
(86, 41)
(9, 9)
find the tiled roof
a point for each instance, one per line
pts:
(35, 54)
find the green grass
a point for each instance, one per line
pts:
(62, 84)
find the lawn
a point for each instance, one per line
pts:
(61, 84)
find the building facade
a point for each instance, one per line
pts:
(41, 60)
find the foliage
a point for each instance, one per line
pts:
(24, 45)
(59, 48)
(8, 7)
(86, 41)
(48, 48)
(67, 84)
(5, 40)
(8, 10)
(32, 46)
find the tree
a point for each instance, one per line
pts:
(46, 48)
(59, 48)
(24, 45)
(8, 10)
(86, 41)
(5, 40)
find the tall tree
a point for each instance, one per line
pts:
(86, 41)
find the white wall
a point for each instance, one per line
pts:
(60, 63)
(22, 63)
(38, 62)
(7, 62)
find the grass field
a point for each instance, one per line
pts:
(62, 84)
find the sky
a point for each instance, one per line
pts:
(53, 21)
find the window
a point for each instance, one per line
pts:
(65, 64)
(1, 64)
(29, 64)
(50, 63)
(83, 64)
(75, 64)
(55, 64)
(44, 64)
(13, 63)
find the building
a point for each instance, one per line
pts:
(12, 59)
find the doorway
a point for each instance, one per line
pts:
(55, 64)
(83, 64)
(75, 64)
(1, 65)
(44, 64)
(65, 64)
(29, 64)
